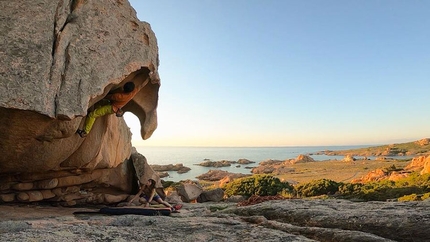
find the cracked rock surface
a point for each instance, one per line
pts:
(282, 220)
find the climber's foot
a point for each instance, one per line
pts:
(81, 133)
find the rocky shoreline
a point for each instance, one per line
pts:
(280, 220)
(229, 220)
(419, 147)
(301, 169)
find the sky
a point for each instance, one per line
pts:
(289, 73)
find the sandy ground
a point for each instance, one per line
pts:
(33, 211)
(336, 170)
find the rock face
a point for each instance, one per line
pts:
(302, 159)
(277, 167)
(214, 195)
(189, 191)
(180, 168)
(222, 163)
(376, 175)
(342, 220)
(217, 175)
(70, 54)
(58, 60)
(416, 164)
(281, 220)
(426, 168)
(419, 163)
(423, 142)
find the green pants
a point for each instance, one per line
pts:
(98, 112)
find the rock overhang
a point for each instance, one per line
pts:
(59, 58)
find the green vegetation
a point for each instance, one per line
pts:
(330, 178)
(317, 188)
(413, 188)
(410, 148)
(391, 168)
(408, 198)
(261, 185)
(167, 184)
(338, 171)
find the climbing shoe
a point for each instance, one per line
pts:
(81, 133)
(119, 113)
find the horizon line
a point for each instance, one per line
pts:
(253, 146)
(140, 143)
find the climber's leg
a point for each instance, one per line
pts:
(98, 112)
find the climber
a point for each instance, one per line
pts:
(148, 193)
(117, 101)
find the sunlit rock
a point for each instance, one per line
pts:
(59, 60)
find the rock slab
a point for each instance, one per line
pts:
(281, 220)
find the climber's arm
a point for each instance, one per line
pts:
(137, 195)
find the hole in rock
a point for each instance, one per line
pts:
(134, 124)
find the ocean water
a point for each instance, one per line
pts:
(191, 156)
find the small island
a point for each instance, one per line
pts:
(224, 163)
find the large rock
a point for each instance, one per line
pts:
(213, 195)
(217, 175)
(144, 171)
(419, 163)
(222, 163)
(416, 164)
(180, 168)
(58, 60)
(423, 142)
(278, 167)
(302, 159)
(280, 220)
(189, 191)
(70, 54)
(426, 167)
(342, 220)
(372, 176)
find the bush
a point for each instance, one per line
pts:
(415, 179)
(383, 190)
(403, 189)
(377, 191)
(317, 188)
(167, 184)
(260, 185)
(426, 196)
(407, 198)
(350, 190)
(391, 168)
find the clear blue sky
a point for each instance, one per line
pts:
(289, 73)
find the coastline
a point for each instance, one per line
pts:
(190, 156)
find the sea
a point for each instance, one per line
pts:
(192, 156)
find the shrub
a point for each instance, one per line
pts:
(377, 191)
(167, 184)
(407, 198)
(260, 185)
(317, 188)
(391, 168)
(415, 179)
(383, 190)
(426, 196)
(350, 190)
